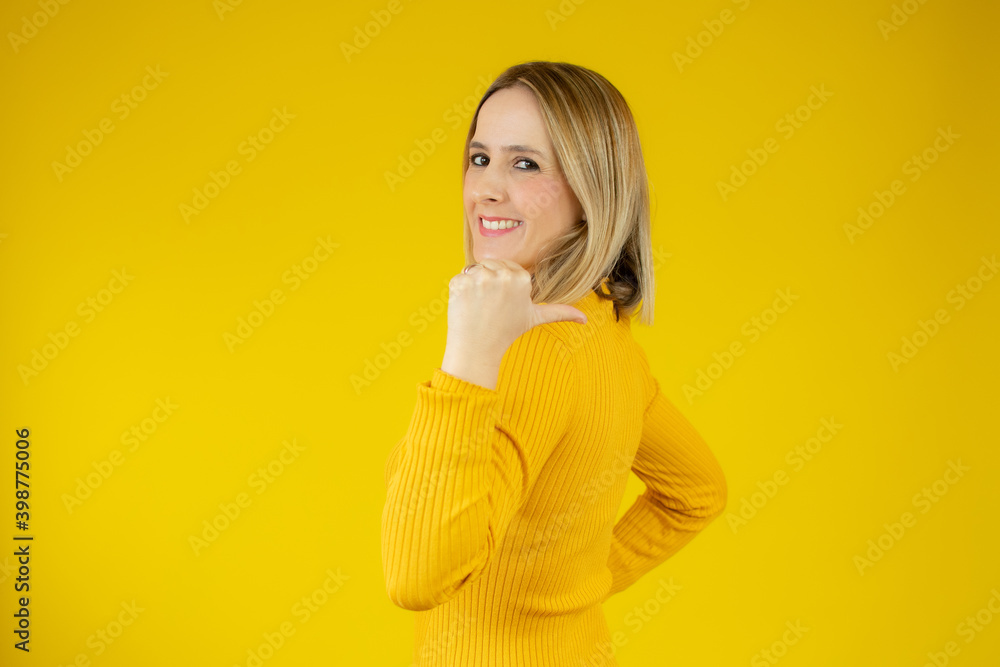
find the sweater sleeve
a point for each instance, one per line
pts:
(465, 465)
(685, 491)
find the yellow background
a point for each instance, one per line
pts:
(324, 176)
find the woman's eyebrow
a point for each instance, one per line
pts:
(514, 148)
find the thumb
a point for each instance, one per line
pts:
(558, 312)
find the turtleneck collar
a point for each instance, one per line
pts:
(593, 305)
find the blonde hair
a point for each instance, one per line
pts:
(597, 146)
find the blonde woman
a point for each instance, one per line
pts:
(499, 523)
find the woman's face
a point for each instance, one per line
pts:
(512, 175)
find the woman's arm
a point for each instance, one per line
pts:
(465, 465)
(685, 490)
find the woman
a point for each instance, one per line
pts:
(499, 523)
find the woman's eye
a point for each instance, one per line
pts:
(480, 160)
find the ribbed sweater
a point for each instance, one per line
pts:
(499, 522)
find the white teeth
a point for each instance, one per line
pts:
(501, 224)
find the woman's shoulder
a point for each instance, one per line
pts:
(603, 324)
(546, 344)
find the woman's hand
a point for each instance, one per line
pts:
(488, 309)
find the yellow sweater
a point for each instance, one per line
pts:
(499, 523)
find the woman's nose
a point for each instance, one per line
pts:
(488, 184)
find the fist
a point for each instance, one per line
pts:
(490, 307)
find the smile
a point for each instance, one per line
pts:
(498, 227)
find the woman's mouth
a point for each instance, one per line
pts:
(498, 226)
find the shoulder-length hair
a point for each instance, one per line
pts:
(597, 147)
